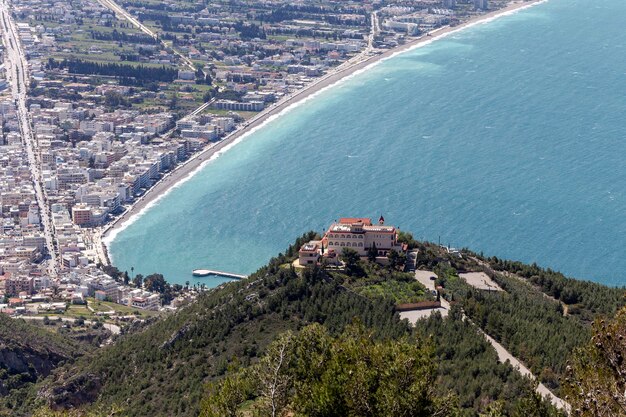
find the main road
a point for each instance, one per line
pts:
(17, 75)
(124, 14)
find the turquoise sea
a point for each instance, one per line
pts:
(508, 138)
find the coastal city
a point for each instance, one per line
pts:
(106, 104)
(283, 208)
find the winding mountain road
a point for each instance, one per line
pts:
(503, 355)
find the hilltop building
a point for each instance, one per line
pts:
(355, 233)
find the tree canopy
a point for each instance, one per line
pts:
(596, 379)
(315, 374)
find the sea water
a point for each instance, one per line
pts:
(507, 138)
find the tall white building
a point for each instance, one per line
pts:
(481, 4)
(33, 214)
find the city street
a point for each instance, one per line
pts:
(17, 76)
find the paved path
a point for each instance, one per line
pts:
(424, 278)
(412, 316)
(503, 355)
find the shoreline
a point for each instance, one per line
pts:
(106, 234)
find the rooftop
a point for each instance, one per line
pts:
(351, 220)
(310, 247)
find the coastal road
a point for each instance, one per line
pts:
(17, 75)
(96, 235)
(357, 63)
(183, 170)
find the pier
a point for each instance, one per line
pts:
(207, 272)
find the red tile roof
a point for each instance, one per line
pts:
(351, 220)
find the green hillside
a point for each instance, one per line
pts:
(171, 367)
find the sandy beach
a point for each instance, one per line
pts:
(187, 169)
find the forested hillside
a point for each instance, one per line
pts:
(162, 370)
(179, 365)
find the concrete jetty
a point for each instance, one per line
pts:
(207, 272)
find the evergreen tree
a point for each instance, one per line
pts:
(138, 280)
(372, 252)
(351, 258)
(596, 380)
(315, 374)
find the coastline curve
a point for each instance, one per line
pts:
(349, 69)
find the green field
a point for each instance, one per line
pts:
(398, 291)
